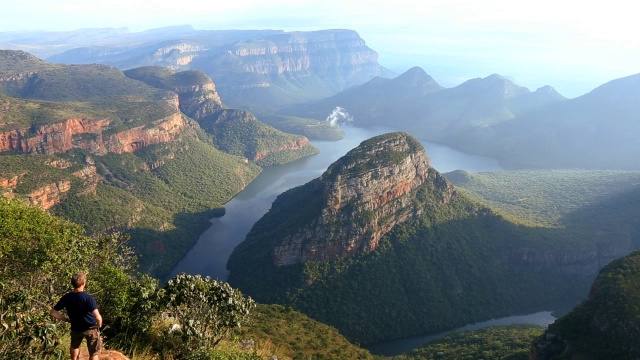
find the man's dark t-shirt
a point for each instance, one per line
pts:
(80, 306)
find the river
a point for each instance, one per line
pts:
(209, 255)
(396, 347)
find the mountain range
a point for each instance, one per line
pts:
(252, 69)
(494, 117)
(294, 80)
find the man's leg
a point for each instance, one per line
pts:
(74, 353)
(76, 340)
(94, 343)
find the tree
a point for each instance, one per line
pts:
(206, 310)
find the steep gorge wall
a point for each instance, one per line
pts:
(296, 52)
(90, 134)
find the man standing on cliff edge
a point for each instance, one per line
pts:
(83, 315)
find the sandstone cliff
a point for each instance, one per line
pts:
(364, 195)
(301, 51)
(264, 71)
(90, 134)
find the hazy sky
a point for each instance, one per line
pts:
(571, 45)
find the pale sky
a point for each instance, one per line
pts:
(574, 46)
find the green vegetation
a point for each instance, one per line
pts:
(165, 78)
(470, 263)
(289, 334)
(312, 129)
(38, 254)
(236, 132)
(605, 326)
(239, 133)
(544, 197)
(13, 63)
(123, 112)
(34, 171)
(493, 343)
(164, 210)
(81, 83)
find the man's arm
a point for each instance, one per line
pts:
(96, 313)
(58, 315)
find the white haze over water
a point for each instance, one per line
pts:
(339, 114)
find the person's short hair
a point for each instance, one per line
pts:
(78, 279)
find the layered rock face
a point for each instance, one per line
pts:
(303, 51)
(196, 93)
(89, 134)
(49, 195)
(198, 101)
(365, 194)
(338, 55)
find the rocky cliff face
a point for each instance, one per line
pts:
(90, 134)
(365, 194)
(177, 55)
(198, 101)
(49, 195)
(196, 93)
(339, 55)
(303, 51)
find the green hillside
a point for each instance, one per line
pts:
(67, 82)
(545, 197)
(38, 254)
(126, 161)
(164, 210)
(493, 343)
(451, 263)
(313, 129)
(606, 325)
(238, 132)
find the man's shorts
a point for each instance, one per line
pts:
(94, 342)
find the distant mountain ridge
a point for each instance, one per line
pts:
(594, 131)
(414, 102)
(262, 69)
(495, 117)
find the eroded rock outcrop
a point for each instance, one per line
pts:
(200, 100)
(49, 195)
(364, 195)
(90, 134)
